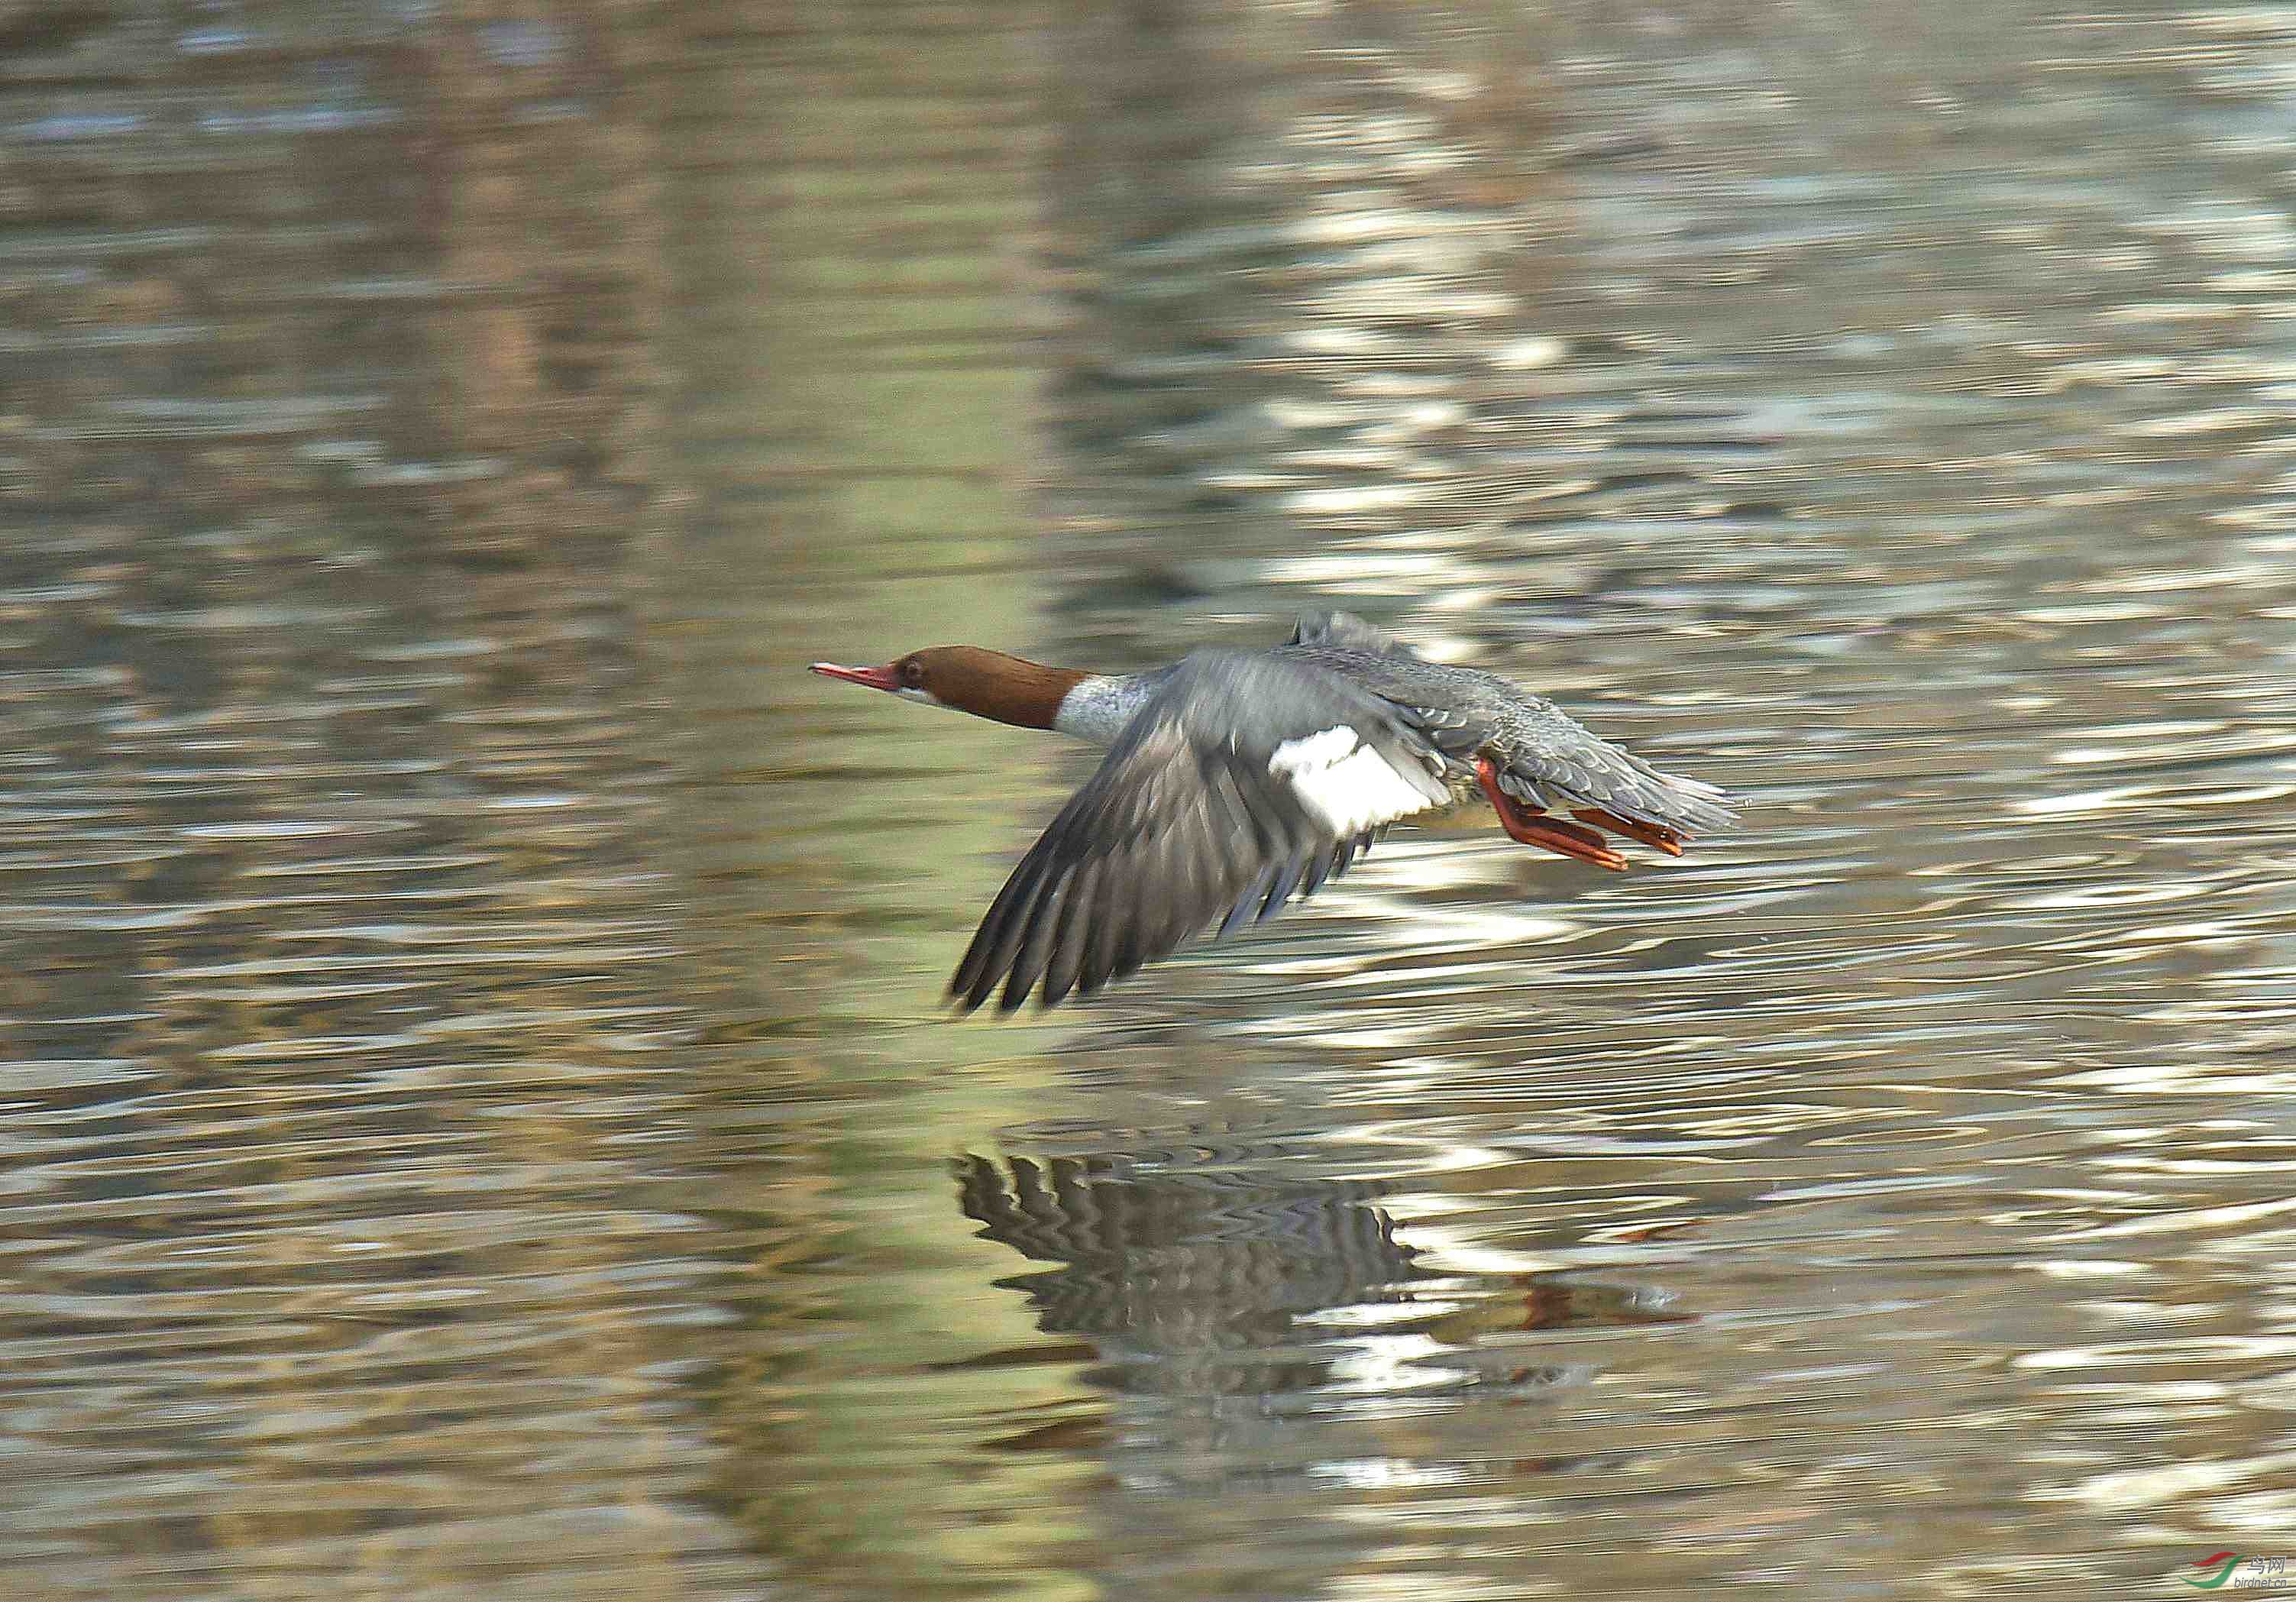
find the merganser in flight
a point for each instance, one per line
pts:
(1235, 778)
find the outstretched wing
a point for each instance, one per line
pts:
(1348, 632)
(1248, 777)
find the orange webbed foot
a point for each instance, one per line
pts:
(1538, 829)
(1656, 835)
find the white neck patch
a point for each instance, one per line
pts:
(1098, 708)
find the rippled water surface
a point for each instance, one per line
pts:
(479, 1122)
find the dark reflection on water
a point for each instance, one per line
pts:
(479, 1123)
(1242, 1307)
(1206, 1265)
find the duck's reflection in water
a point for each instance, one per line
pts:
(1212, 1271)
(1256, 1328)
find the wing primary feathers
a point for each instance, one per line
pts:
(1287, 880)
(1036, 943)
(1108, 929)
(1253, 901)
(1066, 963)
(986, 958)
(1131, 950)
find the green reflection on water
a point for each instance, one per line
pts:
(842, 432)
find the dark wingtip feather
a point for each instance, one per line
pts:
(1286, 882)
(1035, 948)
(1251, 902)
(996, 943)
(1066, 964)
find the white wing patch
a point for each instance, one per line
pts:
(1345, 786)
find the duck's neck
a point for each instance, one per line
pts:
(1098, 706)
(1001, 688)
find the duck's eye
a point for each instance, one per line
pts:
(913, 674)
